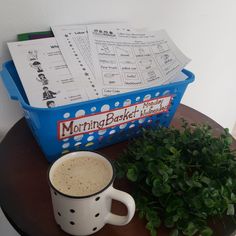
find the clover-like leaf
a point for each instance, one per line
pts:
(206, 232)
(191, 229)
(175, 232)
(132, 174)
(230, 209)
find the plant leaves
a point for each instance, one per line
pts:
(191, 229)
(206, 180)
(152, 168)
(175, 232)
(230, 209)
(166, 188)
(132, 174)
(141, 214)
(173, 150)
(153, 232)
(169, 223)
(206, 232)
(157, 182)
(209, 202)
(185, 175)
(156, 191)
(149, 226)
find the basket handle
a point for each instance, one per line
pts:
(10, 85)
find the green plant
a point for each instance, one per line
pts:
(181, 178)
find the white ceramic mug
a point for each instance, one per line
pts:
(84, 215)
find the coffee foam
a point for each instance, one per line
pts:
(81, 176)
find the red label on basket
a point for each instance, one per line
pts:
(107, 119)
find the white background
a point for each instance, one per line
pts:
(205, 30)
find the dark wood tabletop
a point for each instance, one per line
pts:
(24, 191)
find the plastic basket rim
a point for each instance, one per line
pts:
(190, 79)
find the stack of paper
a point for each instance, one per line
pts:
(85, 62)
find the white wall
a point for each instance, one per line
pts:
(203, 29)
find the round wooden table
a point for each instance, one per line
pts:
(24, 191)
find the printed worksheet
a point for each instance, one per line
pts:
(44, 74)
(130, 60)
(75, 47)
(180, 76)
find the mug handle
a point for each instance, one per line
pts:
(127, 200)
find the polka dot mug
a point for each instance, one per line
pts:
(81, 214)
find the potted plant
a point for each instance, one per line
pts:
(181, 178)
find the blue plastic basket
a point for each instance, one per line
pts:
(96, 123)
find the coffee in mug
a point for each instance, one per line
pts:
(81, 185)
(82, 176)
